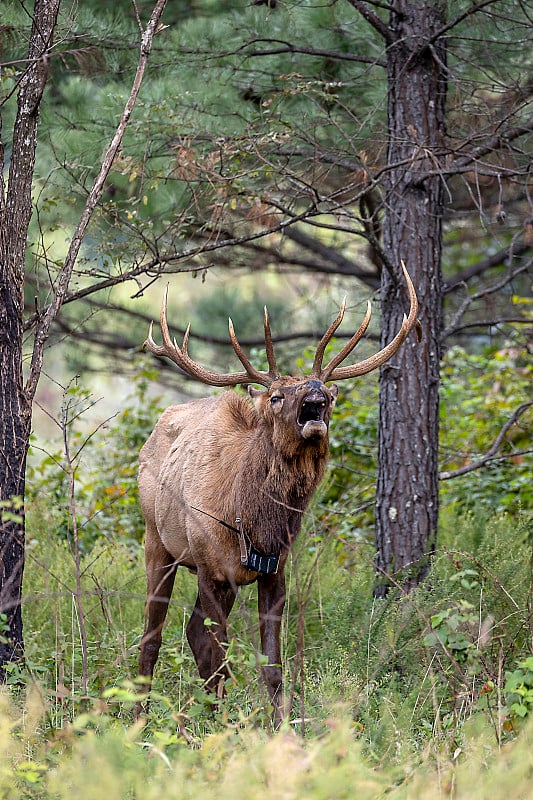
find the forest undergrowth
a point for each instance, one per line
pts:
(419, 696)
(425, 695)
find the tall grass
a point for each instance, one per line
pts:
(407, 697)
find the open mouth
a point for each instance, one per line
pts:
(311, 416)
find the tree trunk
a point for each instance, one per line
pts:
(407, 491)
(14, 437)
(15, 213)
(15, 405)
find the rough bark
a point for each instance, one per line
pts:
(14, 435)
(15, 213)
(15, 407)
(407, 490)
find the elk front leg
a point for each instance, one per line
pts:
(213, 603)
(160, 574)
(271, 601)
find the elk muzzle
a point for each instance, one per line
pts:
(313, 412)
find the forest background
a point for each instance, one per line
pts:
(259, 165)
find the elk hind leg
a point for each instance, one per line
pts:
(160, 573)
(207, 641)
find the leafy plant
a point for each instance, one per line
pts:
(488, 388)
(448, 628)
(106, 474)
(519, 691)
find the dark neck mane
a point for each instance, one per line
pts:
(274, 490)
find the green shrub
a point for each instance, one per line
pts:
(519, 690)
(487, 388)
(105, 463)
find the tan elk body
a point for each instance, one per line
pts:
(223, 485)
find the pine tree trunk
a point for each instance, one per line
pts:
(15, 405)
(14, 438)
(407, 492)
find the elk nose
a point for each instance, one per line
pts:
(315, 398)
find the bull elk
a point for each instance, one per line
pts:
(224, 482)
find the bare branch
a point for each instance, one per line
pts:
(168, 263)
(491, 454)
(492, 144)
(467, 302)
(289, 47)
(113, 341)
(345, 266)
(469, 12)
(46, 319)
(496, 260)
(373, 19)
(488, 323)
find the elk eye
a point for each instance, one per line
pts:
(276, 398)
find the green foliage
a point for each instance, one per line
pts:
(487, 388)
(394, 692)
(353, 446)
(448, 629)
(105, 468)
(246, 311)
(429, 663)
(519, 690)
(107, 491)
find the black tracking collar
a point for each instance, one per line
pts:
(251, 558)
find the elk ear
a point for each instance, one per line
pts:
(258, 396)
(334, 391)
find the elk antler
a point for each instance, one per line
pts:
(332, 372)
(180, 356)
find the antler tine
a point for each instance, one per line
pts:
(150, 344)
(263, 378)
(321, 349)
(165, 333)
(185, 339)
(272, 365)
(180, 356)
(379, 358)
(349, 346)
